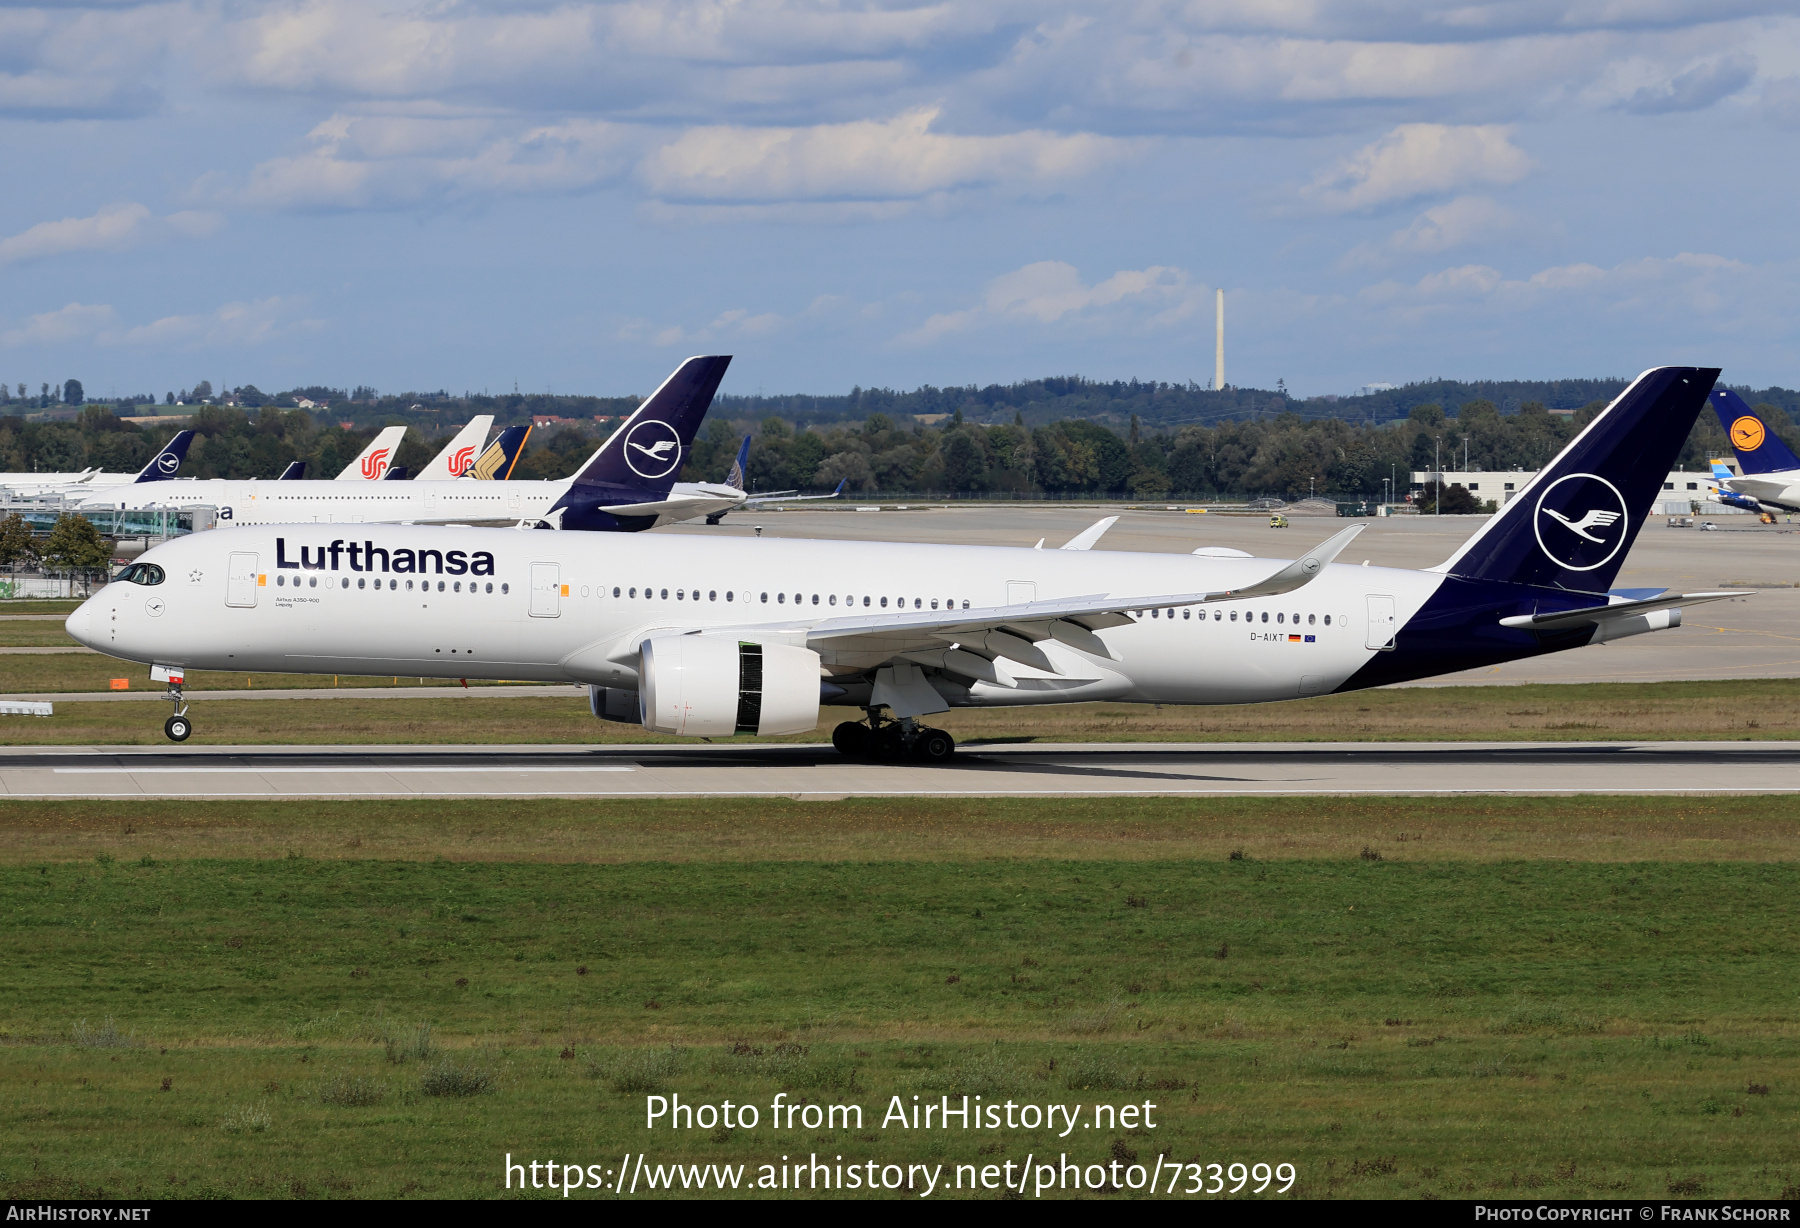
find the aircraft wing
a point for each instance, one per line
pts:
(1011, 631)
(791, 497)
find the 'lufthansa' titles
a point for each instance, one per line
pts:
(363, 556)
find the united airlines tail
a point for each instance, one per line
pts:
(639, 463)
(167, 463)
(1759, 449)
(1572, 525)
(735, 479)
(496, 464)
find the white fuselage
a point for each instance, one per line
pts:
(538, 605)
(457, 501)
(1779, 489)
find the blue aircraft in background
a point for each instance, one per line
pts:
(1770, 472)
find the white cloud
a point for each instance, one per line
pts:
(234, 324)
(69, 323)
(1465, 220)
(867, 160)
(1698, 286)
(1051, 291)
(737, 324)
(375, 161)
(113, 228)
(1696, 88)
(1417, 160)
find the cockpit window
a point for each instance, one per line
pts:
(142, 573)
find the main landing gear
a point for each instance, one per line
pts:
(177, 727)
(880, 739)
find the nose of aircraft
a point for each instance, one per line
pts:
(80, 623)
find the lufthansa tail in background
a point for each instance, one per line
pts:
(701, 636)
(1771, 471)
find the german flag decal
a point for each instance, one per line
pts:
(1293, 639)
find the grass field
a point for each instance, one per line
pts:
(1630, 711)
(1514, 997)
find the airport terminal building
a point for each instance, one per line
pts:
(1685, 492)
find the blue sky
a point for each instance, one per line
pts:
(573, 196)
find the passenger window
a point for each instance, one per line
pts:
(884, 603)
(665, 594)
(815, 599)
(1265, 616)
(765, 598)
(360, 582)
(1234, 614)
(712, 595)
(458, 586)
(409, 586)
(490, 586)
(1311, 619)
(780, 598)
(678, 594)
(934, 603)
(728, 594)
(440, 586)
(312, 582)
(506, 588)
(1328, 620)
(917, 603)
(280, 579)
(1278, 618)
(833, 599)
(865, 601)
(634, 592)
(1186, 614)
(616, 591)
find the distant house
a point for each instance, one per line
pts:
(307, 403)
(548, 420)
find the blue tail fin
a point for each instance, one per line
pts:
(641, 460)
(1759, 449)
(295, 472)
(496, 464)
(735, 479)
(395, 473)
(167, 463)
(1573, 523)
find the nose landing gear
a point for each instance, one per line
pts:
(177, 727)
(880, 740)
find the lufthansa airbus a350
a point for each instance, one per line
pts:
(710, 637)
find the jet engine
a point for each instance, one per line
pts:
(715, 686)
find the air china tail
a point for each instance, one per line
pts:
(703, 636)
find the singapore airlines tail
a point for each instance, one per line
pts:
(1759, 449)
(167, 463)
(371, 464)
(496, 464)
(1572, 525)
(626, 484)
(455, 459)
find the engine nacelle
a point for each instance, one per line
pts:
(715, 686)
(613, 704)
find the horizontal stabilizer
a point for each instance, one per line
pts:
(1587, 616)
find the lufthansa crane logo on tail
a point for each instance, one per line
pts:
(653, 450)
(168, 462)
(1747, 434)
(1581, 522)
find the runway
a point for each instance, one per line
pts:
(979, 770)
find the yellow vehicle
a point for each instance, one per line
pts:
(1278, 521)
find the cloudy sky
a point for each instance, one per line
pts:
(574, 196)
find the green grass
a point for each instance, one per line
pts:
(1444, 1025)
(1629, 711)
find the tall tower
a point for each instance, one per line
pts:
(1219, 351)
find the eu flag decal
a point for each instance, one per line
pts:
(1311, 639)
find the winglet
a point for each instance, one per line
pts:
(1302, 570)
(1085, 539)
(167, 463)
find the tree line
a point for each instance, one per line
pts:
(1286, 455)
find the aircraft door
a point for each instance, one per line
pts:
(1018, 592)
(241, 579)
(546, 590)
(430, 493)
(1381, 622)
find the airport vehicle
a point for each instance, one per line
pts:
(708, 637)
(1770, 478)
(626, 485)
(1278, 521)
